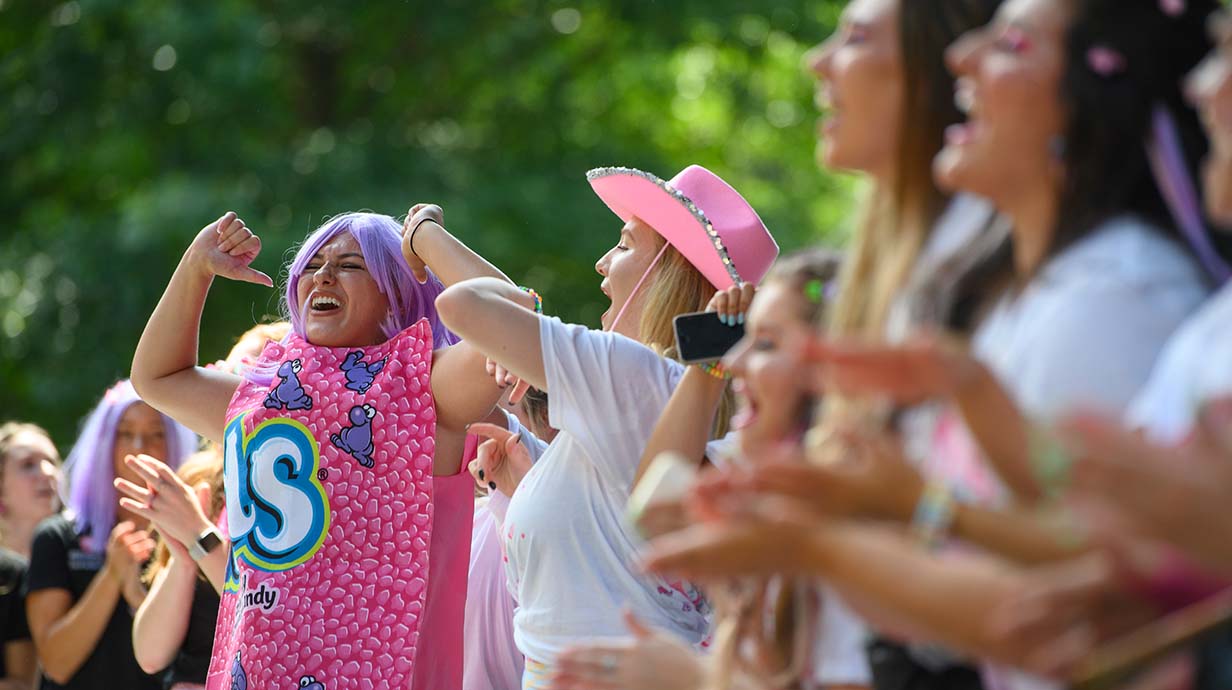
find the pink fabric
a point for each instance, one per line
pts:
(749, 244)
(492, 660)
(1178, 581)
(344, 547)
(956, 460)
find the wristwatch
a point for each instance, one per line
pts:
(209, 540)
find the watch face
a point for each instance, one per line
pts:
(209, 541)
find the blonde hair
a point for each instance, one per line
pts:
(202, 466)
(885, 248)
(261, 333)
(675, 288)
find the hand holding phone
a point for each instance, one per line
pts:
(702, 337)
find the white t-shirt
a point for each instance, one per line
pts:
(838, 655)
(964, 220)
(1086, 331)
(1195, 367)
(571, 556)
(490, 660)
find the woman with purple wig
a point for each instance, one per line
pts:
(85, 564)
(348, 514)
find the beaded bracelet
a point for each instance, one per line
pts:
(535, 296)
(715, 369)
(1050, 461)
(933, 515)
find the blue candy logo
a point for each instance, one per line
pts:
(277, 509)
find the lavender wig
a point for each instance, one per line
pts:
(90, 466)
(380, 241)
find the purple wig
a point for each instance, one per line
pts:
(90, 467)
(380, 241)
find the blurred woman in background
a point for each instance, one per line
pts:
(86, 563)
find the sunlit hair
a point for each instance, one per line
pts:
(249, 345)
(380, 241)
(676, 288)
(90, 467)
(202, 466)
(900, 214)
(535, 407)
(812, 273)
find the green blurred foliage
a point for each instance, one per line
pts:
(128, 125)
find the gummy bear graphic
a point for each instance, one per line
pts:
(360, 374)
(310, 683)
(239, 679)
(357, 438)
(289, 393)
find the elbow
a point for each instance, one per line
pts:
(140, 378)
(150, 660)
(57, 675)
(140, 384)
(454, 305)
(150, 664)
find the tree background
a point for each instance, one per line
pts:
(128, 125)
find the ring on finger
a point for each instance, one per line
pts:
(609, 663)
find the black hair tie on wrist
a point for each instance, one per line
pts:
(414, 230)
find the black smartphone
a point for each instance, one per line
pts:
(701, 337)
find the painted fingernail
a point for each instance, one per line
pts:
(480, 475)
(492, 486)
(740, 319)
(725, 319)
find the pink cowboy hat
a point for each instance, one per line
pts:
(697, 213)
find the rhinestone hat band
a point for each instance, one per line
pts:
(685, 201)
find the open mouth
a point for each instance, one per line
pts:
(746, 412)
(324, 304)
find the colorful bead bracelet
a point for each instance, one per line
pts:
(535, 296)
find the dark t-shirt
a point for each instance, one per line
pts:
(192, 662)
(58, 562)
(12, 602)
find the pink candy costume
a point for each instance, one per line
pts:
(348, 558)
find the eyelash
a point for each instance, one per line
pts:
(856, 36)
(317, 267)
(1013, 41)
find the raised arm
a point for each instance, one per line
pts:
(498, 320)
(426, 243)
(165, 371)
(161, 623)
(686, 422)
(463, 390)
